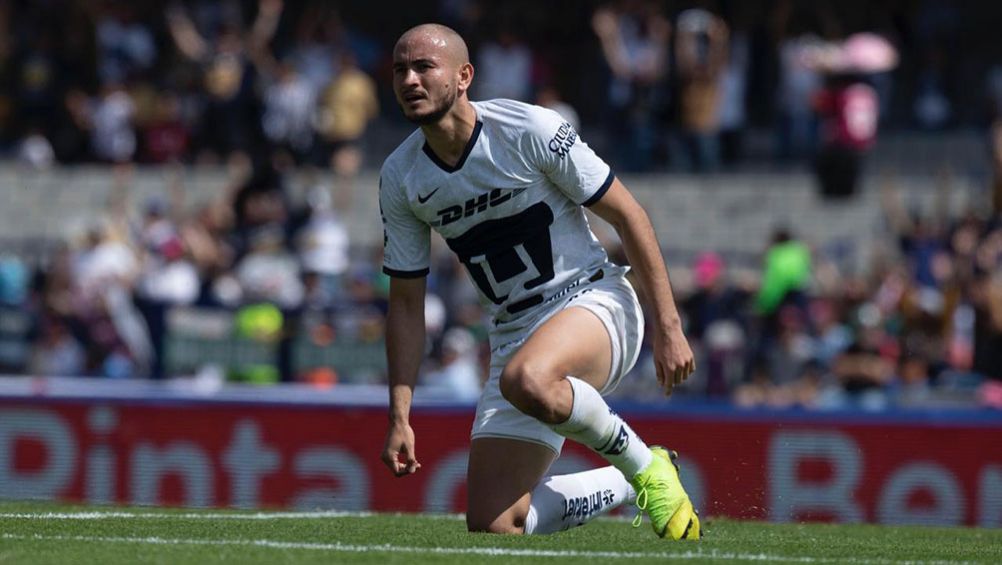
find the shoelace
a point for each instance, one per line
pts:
(641, 506)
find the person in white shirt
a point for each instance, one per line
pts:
(504, 183)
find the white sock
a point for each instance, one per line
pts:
(594, 424)
(561, 502)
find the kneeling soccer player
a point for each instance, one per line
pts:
(504, 183)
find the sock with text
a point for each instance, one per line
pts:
(561, 502)
(594, 424)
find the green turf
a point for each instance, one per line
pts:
(173, 536)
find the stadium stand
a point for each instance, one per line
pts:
(170, 207)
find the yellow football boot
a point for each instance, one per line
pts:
(661, 496)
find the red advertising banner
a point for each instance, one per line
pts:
(782, 467)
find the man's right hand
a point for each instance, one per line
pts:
(400, 445)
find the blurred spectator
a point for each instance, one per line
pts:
(322, 244)
(714, 299)
(204, 237)
(920, 239)
(793, 350)
(833, 335)
(848, 112)
(166, 139)
(105, 260)
(264, 325)
(319, 39)
(229, 120)
(125, 44)
(734, 77)
(54, 283)
(13, 280)
(715, 316)
(168, 277)
(995, 154)
(35, 73)
(462, 301)
(259, 202)
(804, 385)
(104, 274)
(36, 151)
(785, 275)
(268, 273)
(504, 67)
(287, 118)
(848, 106)
(434, 318)
(932, 108)
(461, 15)
(459, 376)
(634, 36)
(56, 353)
(796, 28)
(701, 48)
(113, 137)
(156, 225)
(778, 333)
(18, 333)
(863, 372)
(71, 138)
(549, 97)
(361, 315)
(347, 105)
(987, 298)
(912, 383)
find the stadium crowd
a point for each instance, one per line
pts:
(267, 88)
(669, 84)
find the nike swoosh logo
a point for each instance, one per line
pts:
(423, 199)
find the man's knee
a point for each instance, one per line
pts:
(503, 524)
(529, 388)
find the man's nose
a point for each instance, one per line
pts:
(410, 77)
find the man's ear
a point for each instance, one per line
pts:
(465, 77)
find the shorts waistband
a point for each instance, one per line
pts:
(594, 277)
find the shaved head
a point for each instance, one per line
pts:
(431, 72)
(441, 38)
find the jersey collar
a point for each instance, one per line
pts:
(462, 159)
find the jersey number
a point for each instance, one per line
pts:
(501, 253)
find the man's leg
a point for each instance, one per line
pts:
(536, 381)
(501, 474)
(507, 493)
(561, 502)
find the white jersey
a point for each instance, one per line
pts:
(511, 208)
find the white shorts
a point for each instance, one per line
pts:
(613, 300)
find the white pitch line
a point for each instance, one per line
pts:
(488, 551)
(195, 516)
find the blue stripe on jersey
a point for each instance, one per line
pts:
(406, 274)
(601, 190)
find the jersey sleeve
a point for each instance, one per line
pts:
(406, 239)
(552, 144)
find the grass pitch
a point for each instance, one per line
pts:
(45, 533)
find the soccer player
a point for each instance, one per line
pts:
(504, 183)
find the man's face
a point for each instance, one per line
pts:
(424, 79)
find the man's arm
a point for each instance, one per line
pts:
(186, 37)
(404, 351)
(673, 358)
